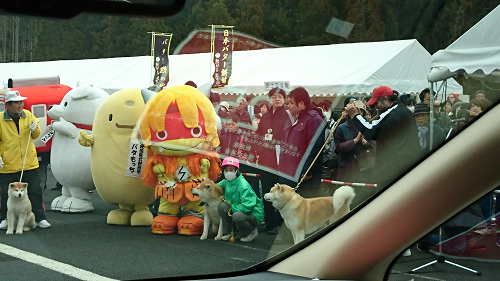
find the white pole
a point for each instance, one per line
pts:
(212, 34)
(431, 117)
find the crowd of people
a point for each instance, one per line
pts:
(275, 143)
(376, 140)
(286, 139)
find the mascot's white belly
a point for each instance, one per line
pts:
(70, 162)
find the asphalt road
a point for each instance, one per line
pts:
(85, 247)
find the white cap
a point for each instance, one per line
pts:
(225, 104)
(13, 96)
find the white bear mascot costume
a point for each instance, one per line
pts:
(69, 161)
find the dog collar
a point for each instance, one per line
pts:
(281, 206)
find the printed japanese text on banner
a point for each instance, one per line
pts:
(137, 157)
(222, 39)
(161, 43)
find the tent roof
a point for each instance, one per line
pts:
(322, 70)
(476, 52)
(108, 73)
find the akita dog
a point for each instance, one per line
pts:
(211, 195)
(19, 212)
(304, 216)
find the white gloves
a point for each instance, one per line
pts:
(1, 163)
(33, 125)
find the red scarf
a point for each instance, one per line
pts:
(83, 126)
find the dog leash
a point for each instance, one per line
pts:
(25, 154)
(232, 240)
(324, 144)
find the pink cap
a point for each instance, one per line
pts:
(231, 161)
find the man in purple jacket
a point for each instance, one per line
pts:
(301, 140)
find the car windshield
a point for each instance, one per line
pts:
(220, 137)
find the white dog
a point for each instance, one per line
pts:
(19, 212)
(304, 216)
(212, 195)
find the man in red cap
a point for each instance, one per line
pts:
(395, 132)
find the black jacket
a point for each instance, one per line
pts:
(274, 121)
(244, 117)
(397, 141)
(229, 142)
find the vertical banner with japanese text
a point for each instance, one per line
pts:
(161, 46)
(137, 157)
(222, 53)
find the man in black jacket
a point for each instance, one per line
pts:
(242, 112)
(395, 132)
(269, 130)
(230, 140)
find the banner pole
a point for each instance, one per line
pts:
(152, 57)
(211, 53)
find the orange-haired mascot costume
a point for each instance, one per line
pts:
(178, 128)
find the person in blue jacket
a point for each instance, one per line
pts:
(242, 206)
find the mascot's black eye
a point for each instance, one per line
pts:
(65, 103)
(196, 132)
(162, 135)
(110, 117)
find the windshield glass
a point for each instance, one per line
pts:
(190, 145)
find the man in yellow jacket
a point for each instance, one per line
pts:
(18, 128)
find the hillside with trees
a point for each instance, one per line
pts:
(434, 23)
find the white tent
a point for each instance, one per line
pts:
(476, 52)
(109, 73)
(322, 70)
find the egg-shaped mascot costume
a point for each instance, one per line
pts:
(178, 128)
(117, 158)
(70, 162)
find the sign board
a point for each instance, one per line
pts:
(137, 157)
(47, 136)
(285, 85)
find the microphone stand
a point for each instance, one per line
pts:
(442, 259)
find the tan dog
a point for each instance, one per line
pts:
(19, 212)
(304, 216)
(212, 195)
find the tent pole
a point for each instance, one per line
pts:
(431, 117)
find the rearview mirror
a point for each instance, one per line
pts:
(65, 9)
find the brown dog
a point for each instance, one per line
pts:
(19, 212)
(304, 216)
(212, 195)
